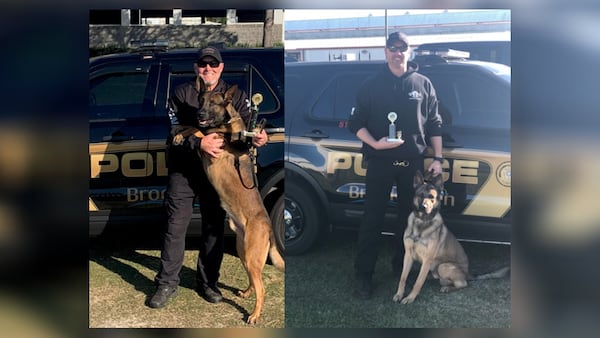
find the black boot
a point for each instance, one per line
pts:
(211, 294)
(162, 295)
(362, 287)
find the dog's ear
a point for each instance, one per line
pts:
(428, 176)
(229, 93)
(418, 180)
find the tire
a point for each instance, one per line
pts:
(302, 220)
(278, 223)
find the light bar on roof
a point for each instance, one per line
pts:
(444, 53)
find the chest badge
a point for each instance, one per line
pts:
(415, 95)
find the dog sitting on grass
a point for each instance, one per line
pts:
(428, 241)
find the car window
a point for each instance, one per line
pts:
(117, 95)
(270, 103)
(293, 97)
(234, 76)
(336, 101)
(472, 100)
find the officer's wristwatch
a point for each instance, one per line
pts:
(439, 159)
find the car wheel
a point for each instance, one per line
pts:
(302, 221)
(278, 223)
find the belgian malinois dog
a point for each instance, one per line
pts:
(428, 241)
(232, 175)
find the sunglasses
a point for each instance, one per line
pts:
(211, 63)
(394, 49)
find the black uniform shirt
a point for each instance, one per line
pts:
(184, 102)
(412, 97)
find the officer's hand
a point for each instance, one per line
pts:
(383, 144)
(212, 144)
(435, 167)
(260, 139)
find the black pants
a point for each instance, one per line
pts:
(182, 188)
(382, 173)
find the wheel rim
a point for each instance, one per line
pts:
(294, 220)
(279, 227)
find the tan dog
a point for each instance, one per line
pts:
(232, 175)
(428, 241)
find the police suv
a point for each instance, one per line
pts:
(129, 124)
(325, 174)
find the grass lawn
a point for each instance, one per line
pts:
(121, 280)
(319, 292)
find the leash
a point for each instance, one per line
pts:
(236, 163)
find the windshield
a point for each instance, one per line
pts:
(503, 71)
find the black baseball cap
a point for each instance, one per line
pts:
(397, 37)
(210, 51)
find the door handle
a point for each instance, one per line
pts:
(117, 138)
(315, 133)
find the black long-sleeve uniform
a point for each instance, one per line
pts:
(188, 180)
(412, 97)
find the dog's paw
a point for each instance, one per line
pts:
(408, 299)
(253, 318)
(245, 293)
(397, 298)
(178, 140)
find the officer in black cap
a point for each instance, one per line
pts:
(187, 180)
(396, 117)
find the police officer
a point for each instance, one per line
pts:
(187, 180)
(396, 95)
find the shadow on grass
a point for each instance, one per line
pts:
(108, 259)
(232, 303)
(110, 255)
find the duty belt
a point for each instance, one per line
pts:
(403, 163)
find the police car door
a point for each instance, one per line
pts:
(121, 98)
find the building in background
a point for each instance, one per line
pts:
(129, 16)
(114, 30)
(363, 38)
